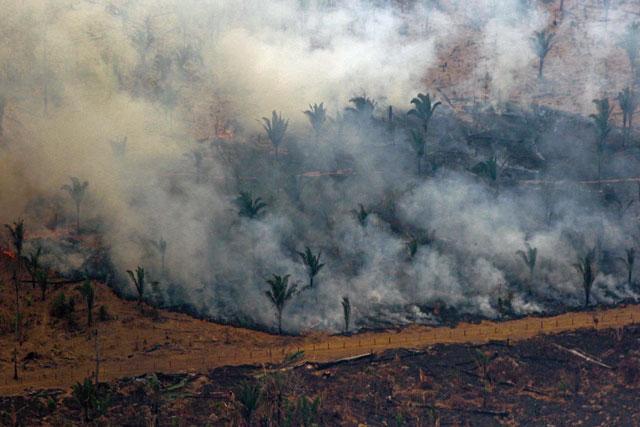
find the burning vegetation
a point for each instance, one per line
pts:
(455, 162)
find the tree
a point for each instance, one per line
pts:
(630, 42)
(250, 207)
(586, 268)
(86, 395)
(420, 238)
(17, 232)
(363, 107)
(279, 294)
(361, 214)
(42, 278)
(418, 143)
(629, 261)
(628, 102)
(161, 247)
(312, 262)
(317, 116)
(529, 257)
(32, 262)
(603, 125)
(249, 397)
(77, 191)
(346, 310)
(275, 128)
(542, 42)
(89, 295)
(3, 104)
(423, 110)
(138, 279)
(487, 169)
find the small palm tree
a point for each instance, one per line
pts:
(312, 262)
(630, 42)
(418, 239)
(363, 106)
(161, 247)
(275, 128)
(586, 268)
(423, 110)
(628, 102)
(249, 397)
(17, 237)
(542, 42)
(77, 191)
(529, 257)
(279, 294)
(487, 169)
(138, 279)
(32, 262)
(418, 143)
(85, 394)
(89, 295)
(346, 310)
(42, 278)
(361, 214)
(250, 207)
(629, 262)
(317, 116)
(603, 125)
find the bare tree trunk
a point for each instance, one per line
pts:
(78, 218)
(280, 322)
(97, 356)
(17, 325)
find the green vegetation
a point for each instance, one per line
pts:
(312, 262)
(279, 294)
(249, 207)
(275, 128)
(586, 267)
(77, 191)
(542, 42)
(317, 116)
(138, 279)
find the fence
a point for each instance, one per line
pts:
(329, 348)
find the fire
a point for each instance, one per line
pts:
(9, 253)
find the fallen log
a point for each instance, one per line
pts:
(584, 356)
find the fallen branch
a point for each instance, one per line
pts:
(333, 363)
(584, 356)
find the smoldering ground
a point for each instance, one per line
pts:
(158, 106)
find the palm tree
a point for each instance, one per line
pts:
(363, 107)
(32, 262)
(361, 214)
(423, 110)
(249, 397)
(629, 262)
(418, 143)
(17, 232)
(250, 207)
(161, 247)
(627, 101)
(138, 279)
(603, 125)
(42, 277)
(77, 192)
(312, 262)
(418, 239)
(279, 294)
(542, 42)
(3, 104)
(487, 169)
(530, 257)
(630, 42)
(346, 309)
(275, 128)
(317, 116)
(586, 268)
(89, 295)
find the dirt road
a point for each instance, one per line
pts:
(209, 354)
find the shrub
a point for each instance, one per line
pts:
(103, 314)
(62, 307)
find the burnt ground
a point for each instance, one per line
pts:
(531, 383)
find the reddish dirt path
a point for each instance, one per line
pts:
(210, 345)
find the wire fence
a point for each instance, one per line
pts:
(212, 355)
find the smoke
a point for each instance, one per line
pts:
(158, 106)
